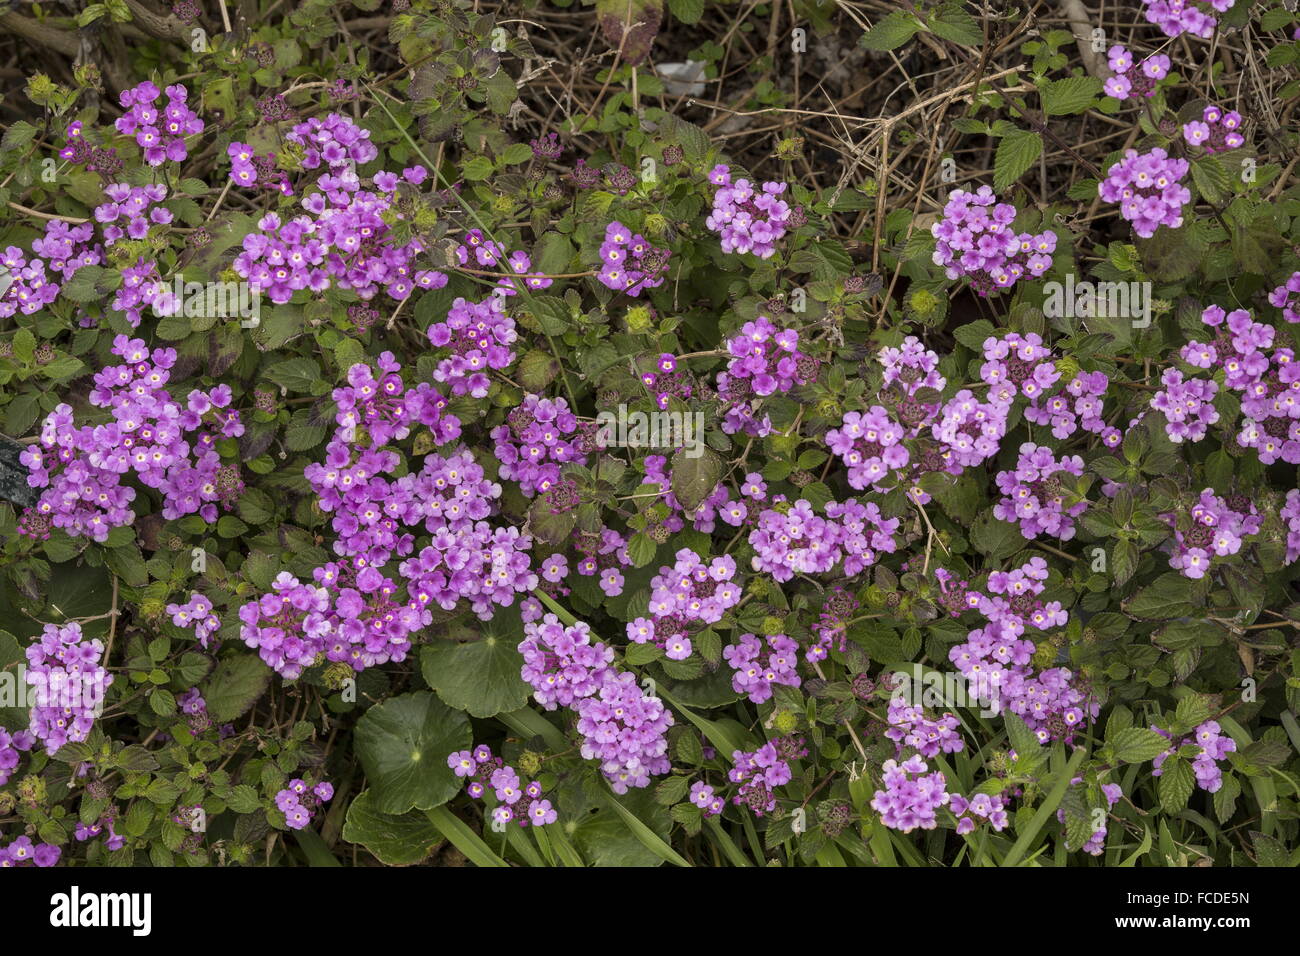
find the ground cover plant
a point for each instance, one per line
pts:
(642, 433)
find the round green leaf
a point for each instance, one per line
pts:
(481, 673)
(403, 744)
(395, 840)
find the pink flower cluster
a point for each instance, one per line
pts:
(622, 727)
(11, 745)
(996, 659)
(1214, 746)
(137, 206)
(1130, 80)
(169, 447)
(248, 169)
(535, 442)
(688, 594)
(68, 683)
(759, 773)
(1285, 297)
(765, 360)
(1187, 405)
(479, 336)
(909, 727)
(748, 219)
(1216, 130)
(912, 797)
(1290, 513)
(159, 132)
(1219, 526)
(351, 613)
(484, 771)
(299, 802)
(1035, 493)
(629, 262)
(344, 238)
(32, 288)
(978, 241)
(792, 539)
(196, 613)
(756, 668)
(1081, 403)
(1268, 384)
(1176, 17)
(489, 254)
(1149, 189)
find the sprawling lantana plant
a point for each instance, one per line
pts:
(407, 451)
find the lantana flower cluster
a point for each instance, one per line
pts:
(1149, 189)
(997, 659)
(759, 773)
(11, 746)
(911, 729)
(196, 613)
(689, 594)
(765, 360)
(343, 238)
(168, 446)
(299, 802)
(748, 218)
(160, 132)
(535, 442)
(976, 239)
(349, 614)
(1176, 17)
(1267, 383)
(1285, 297)
(759, 663)
(1217, 130)
(479, 336)
(68, 683)
(792, 539)
(54, 259)
(912, 797)
(1035, 493)
(623, 727)
(1130, 79)
(487, 772)
(629, 263)
(1214, 747)
(1218, 529)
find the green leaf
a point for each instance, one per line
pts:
(687, 11)
(481, 677)
(891, 32)
(1016, 153)
(1071, 95)
(403, 745)
(1138, 744)
(17, 136)
(953, 23)
(296, 374)
(235, 686)
(394, 839)
(1176, 783)
(695, 473)
(1167, 597)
